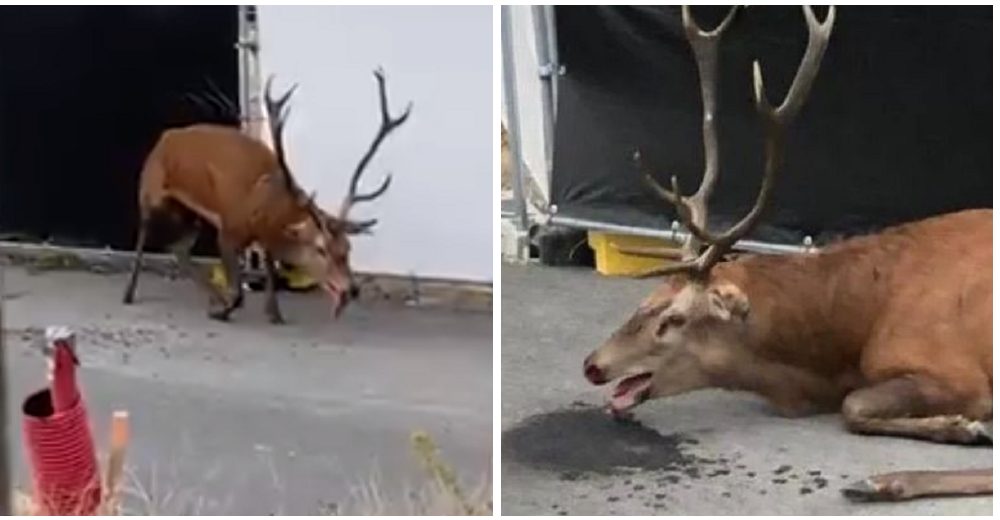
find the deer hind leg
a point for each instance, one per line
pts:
(140, 244)
(181, 248)
(921, 408)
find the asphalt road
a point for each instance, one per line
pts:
(250, 418)
(706, 453)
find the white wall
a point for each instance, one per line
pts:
(436, 220)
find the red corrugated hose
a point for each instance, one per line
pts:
(57, 437)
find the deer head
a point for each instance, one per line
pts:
(690, 324)
(314, 240)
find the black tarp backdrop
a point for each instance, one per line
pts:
(84, 93)
(898, 125)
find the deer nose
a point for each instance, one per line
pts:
(592, 372)
(353, 292)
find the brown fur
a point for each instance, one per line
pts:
(237, 184)
(246, 191)
(894, 329)
(228, 178)
(881, 306)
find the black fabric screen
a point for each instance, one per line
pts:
(898, 125)
(84, 93)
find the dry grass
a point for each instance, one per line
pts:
(441, 494)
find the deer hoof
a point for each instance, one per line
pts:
(276, 319)
(870, 490)
(219, 314)
(982, 432)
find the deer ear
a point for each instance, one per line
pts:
(729, 302)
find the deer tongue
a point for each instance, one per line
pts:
(337, 297)
(630, 392)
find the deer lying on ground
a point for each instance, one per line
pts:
(894, 329)
(237, 184)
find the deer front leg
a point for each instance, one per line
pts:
(921, 408)
(229, 254)
(271, 299)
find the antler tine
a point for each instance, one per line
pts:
(387, 126)
(647, 176)
(687, 266)
(819, 37)
(277, 114)
(694, 30)
(775, 124)
(693, 210)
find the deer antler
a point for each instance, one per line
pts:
(388, 125)
(705, 46)
(277, 114)
(692, 211)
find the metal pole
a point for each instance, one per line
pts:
(552, 49)
(513, 122)
(678, 235)
(241, 33)
(547, 71)
(248, 46)
(5, 482)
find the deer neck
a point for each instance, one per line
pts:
(806, 310)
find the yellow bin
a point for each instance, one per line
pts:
(612, 262)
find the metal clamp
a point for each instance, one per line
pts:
(546, 71)
(249, 45)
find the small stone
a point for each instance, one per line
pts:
(805, 491)
(779, 481)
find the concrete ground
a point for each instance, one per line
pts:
(706, 453)
(250, 418)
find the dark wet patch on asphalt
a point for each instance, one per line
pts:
(585, 440)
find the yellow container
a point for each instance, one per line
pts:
(295, 279)
(613, 262)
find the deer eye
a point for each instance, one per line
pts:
(672, 321)
(662, 328)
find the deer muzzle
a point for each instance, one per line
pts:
(592, 372)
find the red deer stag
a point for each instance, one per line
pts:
(217, 174)
(892, 329)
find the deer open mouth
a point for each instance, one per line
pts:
(338, 298)
(631, 391)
